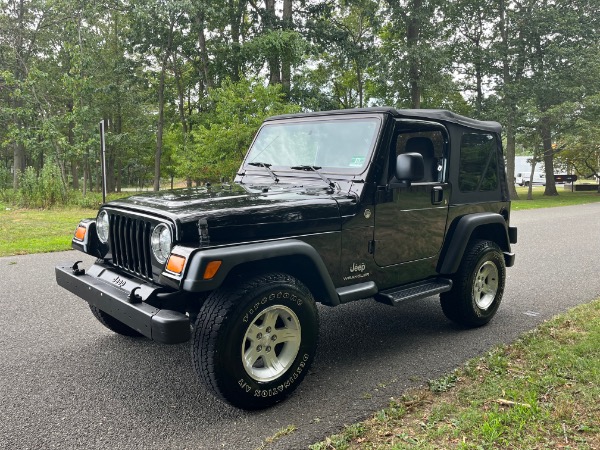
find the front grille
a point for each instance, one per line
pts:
(130, 244)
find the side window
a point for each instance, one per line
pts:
(478, 170)
(430, 144)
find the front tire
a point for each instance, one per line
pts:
(254, 343)
(478, 286)
(113, 324)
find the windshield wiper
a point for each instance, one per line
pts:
(266, 166)
(315, 169)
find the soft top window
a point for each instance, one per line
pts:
(478, 170)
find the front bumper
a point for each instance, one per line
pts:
(125, 299)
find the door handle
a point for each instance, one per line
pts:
(437, 195)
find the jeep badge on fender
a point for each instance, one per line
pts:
(327, 207)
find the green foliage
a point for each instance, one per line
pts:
(579, 143)
(67, 65)
(41, 191)
(6, 178)
(220, 142)
(442, 384)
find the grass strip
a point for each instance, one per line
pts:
(564, 198)
(541, 392)
(26, 231)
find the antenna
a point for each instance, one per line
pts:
(103, 125)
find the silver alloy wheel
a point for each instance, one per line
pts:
(485, 285)
(271, 343)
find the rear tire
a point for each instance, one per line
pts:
(478, 285)
(253, 343)
(113, 324)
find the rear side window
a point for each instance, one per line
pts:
(478, 170)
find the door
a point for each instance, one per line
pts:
(410, 222)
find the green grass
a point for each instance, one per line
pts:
(564, 198)
(35, 231)
(542, 392)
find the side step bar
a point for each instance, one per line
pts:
(414, 291)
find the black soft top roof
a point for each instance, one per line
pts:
(440, 115)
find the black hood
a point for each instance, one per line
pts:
(241, 212)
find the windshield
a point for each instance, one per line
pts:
(338, 145)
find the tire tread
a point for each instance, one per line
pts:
(213, 317)
(455, 304)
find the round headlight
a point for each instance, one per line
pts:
(161, 243)
(102, 226)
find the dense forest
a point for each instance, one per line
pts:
(184, 84)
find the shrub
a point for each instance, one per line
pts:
(41, 191)
(6, 178)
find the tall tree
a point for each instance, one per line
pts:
(157, 29)
(23, 23)
(559, 37)
(511, 56)
(416, 72)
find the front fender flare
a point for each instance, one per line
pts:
(237, 255)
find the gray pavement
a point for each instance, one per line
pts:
(67, 382)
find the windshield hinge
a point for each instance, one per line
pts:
(203, 233)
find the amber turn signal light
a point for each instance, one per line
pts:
(175, 264)
(80, 233)
(211, 269)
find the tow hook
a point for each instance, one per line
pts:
(76, 270)
(133, 297)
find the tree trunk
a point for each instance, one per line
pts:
(236, 12)
(75, 173)
(548, 157)
(359, 82)
(286, 57)
(479, 87)
(204, 61)
(18, 147)
(161, 123)
(18, 162)
(161, 107)
(509, 105)
(110, 170)
(412, 40)
(86, 172)
(181, 98)
(118, 175)
(270, 19)
(71, 140)
(510, 158)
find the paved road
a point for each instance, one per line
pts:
(66, 382)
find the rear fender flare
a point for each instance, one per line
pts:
(490, 226)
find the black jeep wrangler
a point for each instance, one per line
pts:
(327, 207)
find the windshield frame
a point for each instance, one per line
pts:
(343, 171)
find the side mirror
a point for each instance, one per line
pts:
(409, 167)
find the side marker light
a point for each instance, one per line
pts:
(80, 233)
(211, 269)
